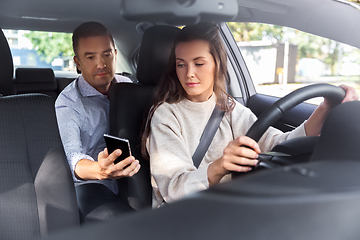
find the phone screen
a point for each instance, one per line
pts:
(113, 143)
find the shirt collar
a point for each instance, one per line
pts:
(87, 90)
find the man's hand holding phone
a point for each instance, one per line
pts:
(116, 160)
(125, 168)
(119, 163)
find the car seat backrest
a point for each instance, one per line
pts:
(6, 66)
(37, 194)
(154, 54)
(129, 104)
(62, 83)
(35, 80)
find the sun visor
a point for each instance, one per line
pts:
(179, 11)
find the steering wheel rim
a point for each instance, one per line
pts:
(271, 115)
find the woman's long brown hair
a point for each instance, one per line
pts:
(170, 89)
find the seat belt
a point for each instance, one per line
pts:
(207, 136)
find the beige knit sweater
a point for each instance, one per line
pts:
(175, 133)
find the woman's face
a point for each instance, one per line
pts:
(195, 68)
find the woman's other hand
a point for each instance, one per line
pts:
(315, 122)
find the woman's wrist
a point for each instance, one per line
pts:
(215, 172)
(315, 122)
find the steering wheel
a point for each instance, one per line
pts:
(332, 93)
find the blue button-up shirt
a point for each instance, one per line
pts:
(83, 118)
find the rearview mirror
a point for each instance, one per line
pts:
(179, 11)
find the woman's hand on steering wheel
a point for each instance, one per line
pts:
(315, 122)
(239, 156)
(334, 95)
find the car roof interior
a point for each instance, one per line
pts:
(64, 15)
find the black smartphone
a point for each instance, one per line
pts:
(113, 143)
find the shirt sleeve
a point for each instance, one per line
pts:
(69, 122)
(171, 163)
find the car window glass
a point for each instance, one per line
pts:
(41, 49)
(282, 59)
(38, 49)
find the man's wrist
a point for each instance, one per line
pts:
(87, 169)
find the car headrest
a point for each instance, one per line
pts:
(340, 134)
(34, 75)
(6, 66)
(154, 54)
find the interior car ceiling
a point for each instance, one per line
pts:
(304, 15)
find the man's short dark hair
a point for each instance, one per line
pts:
(89, 29)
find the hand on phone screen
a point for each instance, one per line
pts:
(113, 143)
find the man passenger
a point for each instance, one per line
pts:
(82, 110)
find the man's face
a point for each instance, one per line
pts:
(96, 59)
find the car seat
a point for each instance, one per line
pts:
(129, 104)
(6, 67)
(37, 194)
(35, 80)
(62, 83)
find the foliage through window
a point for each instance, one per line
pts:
(41, 49)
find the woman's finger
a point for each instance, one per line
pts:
(248, 142)
(232, 167)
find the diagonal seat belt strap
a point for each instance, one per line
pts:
(207, 136)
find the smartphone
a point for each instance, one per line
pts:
(113, 143)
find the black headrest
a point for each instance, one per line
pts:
(34, 75)
(6, 66)
(155, 50)
(340, 134)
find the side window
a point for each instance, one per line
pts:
(41, 49)
(282, 59)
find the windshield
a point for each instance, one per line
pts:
(282, 59)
